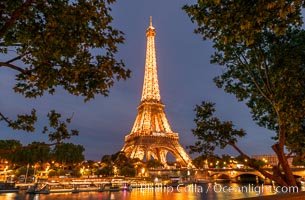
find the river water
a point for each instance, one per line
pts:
(208, 191)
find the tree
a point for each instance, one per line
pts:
(19, 155)
(298, 162)
(34, 153)
(262, 48)
(153, 163)
(9, 145)
(68, 153)
(106, 170)
(51, 44)
(124, 166)
(106, 166)
(106, 159)
(128, 171)
(199, 161)
(211, 132)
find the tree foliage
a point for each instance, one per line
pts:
(41, 153)
(261, 44)
(53, 40)
(199, 161)
(58, 44)
(125, 166)
(8, 145)
(37, 153)
(211, 132)
(243, 19)
(153, 163)
(68, 153)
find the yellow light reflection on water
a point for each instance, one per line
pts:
(8, 196)
(209, 191)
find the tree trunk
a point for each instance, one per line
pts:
(278, 148)
(278, 179)
(284, 163)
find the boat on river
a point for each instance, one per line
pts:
(6, 187)
(75, 187)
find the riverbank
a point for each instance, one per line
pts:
(290, 196)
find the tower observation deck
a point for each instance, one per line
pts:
(151, 135)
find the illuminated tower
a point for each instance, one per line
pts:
(151, 135)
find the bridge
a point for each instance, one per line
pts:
(217, 174)
(233, 173)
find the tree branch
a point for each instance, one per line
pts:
(3, 44)
(5, 64)
(16, 58)
(255, 166)
(254, 80)
(15, 15)
(2, 117)
(264, 77)
(265, 65)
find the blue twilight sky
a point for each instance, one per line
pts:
(185, 78)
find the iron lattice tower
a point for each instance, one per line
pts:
(151, 135)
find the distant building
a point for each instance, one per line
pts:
(270, 159)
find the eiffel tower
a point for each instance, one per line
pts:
(151, 135)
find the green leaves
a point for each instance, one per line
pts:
(58, 130)
(9, 145)
(262, 46)
(62, 43)
(41, 153)
(211, 132)
(238, 21)
(66, 44)
(17, 154)
(23, 122)
(153, 163)
(68, 153)
(118, 164)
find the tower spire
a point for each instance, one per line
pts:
(150, 21)
(151, 135)
(151, 91)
